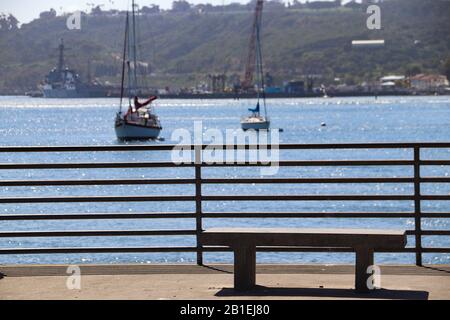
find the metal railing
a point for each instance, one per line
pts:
(416, 180)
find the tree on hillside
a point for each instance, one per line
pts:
(181, 6)
(8, 22)
(149, 10)
(97, 11)
(447, 69)
(47, 14)
(413, 69)
(274, 4)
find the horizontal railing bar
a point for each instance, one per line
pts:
(95, 250)
(305, 180)
(92, 165)
(220, 198)
(168, 164)
(435, 179)
(304, 249)
(96, 199)
(435, 214)
(435, 197)
(435, 250)
(94, 216)
(187, 215)
(155, 147)
(435, 232)
(434, 162)
(9, 183)
(306, 215)
(193, 249)
(317, 163)
(307, 197)
(428, 232)
(94, 233)
(172, 215)
(166, 147)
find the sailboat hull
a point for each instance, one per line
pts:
(253, 123)
(126, 131)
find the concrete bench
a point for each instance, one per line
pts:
(244, 241)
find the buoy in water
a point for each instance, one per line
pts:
(323, 124)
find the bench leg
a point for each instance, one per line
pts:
(244, 267)
(364, 259)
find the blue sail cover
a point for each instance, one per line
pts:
(256, 110)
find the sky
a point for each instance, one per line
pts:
(27, 10)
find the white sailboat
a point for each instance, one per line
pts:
(256, 120)
(139, 121)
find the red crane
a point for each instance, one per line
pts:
(247, 83)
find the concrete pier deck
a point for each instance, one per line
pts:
(176, 281)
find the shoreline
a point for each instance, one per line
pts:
(225, 96)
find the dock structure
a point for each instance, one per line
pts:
(418, 159)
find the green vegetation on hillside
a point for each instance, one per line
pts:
(183, 47)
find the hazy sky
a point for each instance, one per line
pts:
(27, 10)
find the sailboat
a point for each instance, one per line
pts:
(256, 120)
(139, 121)
(324, 91)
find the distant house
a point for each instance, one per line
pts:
(425, 82)
(393, 81)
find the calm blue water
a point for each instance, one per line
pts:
(29, 121)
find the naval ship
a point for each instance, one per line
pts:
(63, 82)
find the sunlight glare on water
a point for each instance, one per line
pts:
(34, 121)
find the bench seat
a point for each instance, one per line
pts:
(244, 242)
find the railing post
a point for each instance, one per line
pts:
(198, 201)
(417, 206)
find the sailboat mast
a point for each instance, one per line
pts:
(258, 56)
(61, 56)
(259, 64)
(124, 57)
(134, 50)
(258, 61)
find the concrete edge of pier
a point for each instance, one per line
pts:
(215, 281)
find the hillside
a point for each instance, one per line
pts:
(183, 47)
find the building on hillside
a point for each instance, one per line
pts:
(393, 81)
(295, 87)
(358, 44)
(427, 82)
